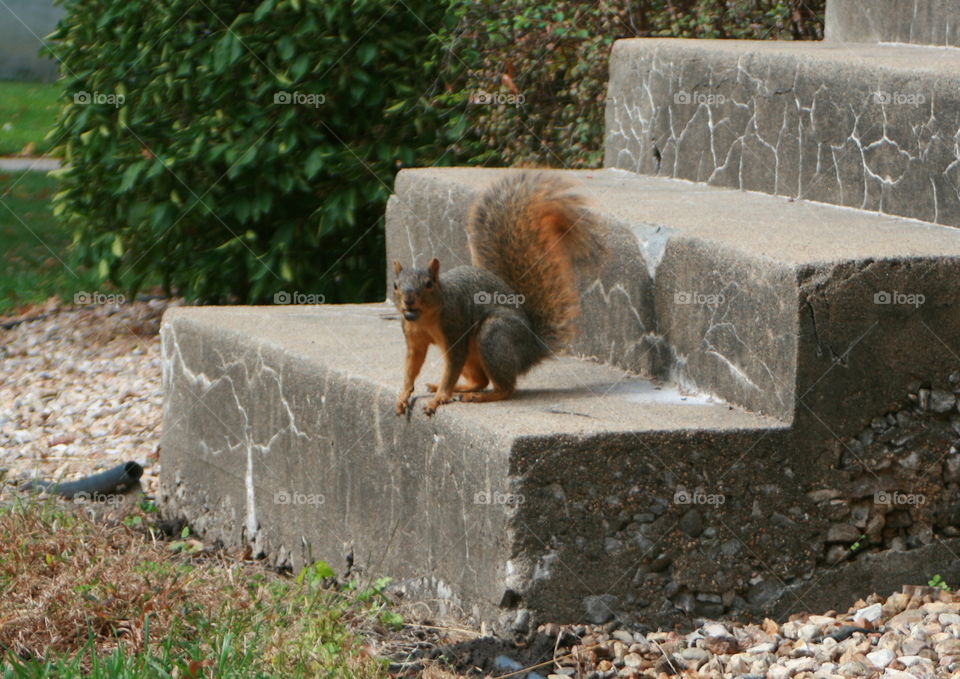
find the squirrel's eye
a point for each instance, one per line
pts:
(395, 286)
(429, 285)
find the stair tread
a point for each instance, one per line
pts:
(562, 396)
(852, 56)
(789, 231)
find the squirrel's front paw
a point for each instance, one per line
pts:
(431, 407)
(402, 405)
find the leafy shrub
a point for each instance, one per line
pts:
(231, 149)
(554, 58)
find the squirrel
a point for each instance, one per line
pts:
(528, 234)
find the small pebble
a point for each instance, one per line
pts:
(881, 658)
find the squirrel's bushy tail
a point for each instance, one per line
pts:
(535, 233)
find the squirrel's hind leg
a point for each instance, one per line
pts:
(473, 373)
(502, 342)
(497, 394)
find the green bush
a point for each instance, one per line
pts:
(231, 149)
(187, 168)
(554, 57)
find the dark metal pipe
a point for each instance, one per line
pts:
(119, 478)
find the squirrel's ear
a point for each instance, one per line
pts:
(434, 267)
(397, 268)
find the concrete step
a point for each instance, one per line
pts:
(774, 305)
(921, 22)
(279, 430)
(592, 493)
(865, 126)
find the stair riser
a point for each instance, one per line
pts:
(843, 133)
(858, 356)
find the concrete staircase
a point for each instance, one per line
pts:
(758, 418)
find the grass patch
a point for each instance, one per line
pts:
(33, 245)
(85, 599)
(27, 113)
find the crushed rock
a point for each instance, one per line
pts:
(80, 390)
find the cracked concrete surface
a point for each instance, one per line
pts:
(279, 431)
(770, 332)
(714, 305)
(284, 416)
(865, 126)
(279, 428)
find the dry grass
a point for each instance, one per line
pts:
(93, 594)
(65, 580)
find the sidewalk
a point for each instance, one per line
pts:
(13, 164)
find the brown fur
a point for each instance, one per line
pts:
(535, 233)
(529, 235)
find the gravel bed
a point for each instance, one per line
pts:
(909, 635)
(80, 390)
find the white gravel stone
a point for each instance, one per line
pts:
(881, 658)
(870, 613)
(825, 670)
(911, 660)
(715, 630)
(739, 664)
(912, 646)
(765, 647)
(796, 665)
(896, 674)
(778, 672)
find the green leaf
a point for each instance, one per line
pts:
(392, 620)
(131, 174)
(286, 48)
(265, 8)
(314, 163)
(367, 51)
(300, 66)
